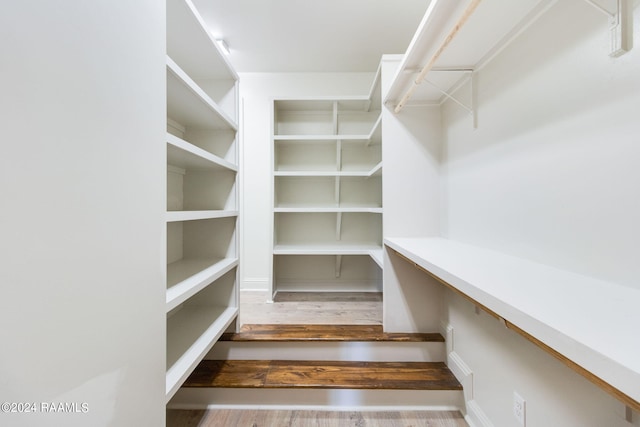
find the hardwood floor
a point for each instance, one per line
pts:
(305, 374)
(315, 333)
(298, 418)
(342, 308)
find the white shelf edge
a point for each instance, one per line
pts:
(176, 216)
(325, 249)
(398, 82)
(377, 256)
(201, 94)
(199, 152)
(376, 82)
(326, 209)
(376, 170)
(180, 292)
(376, 127)
(190, 358)
(322, 137)
(360, 174)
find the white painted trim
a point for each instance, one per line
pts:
(255, 284)
(475, 416)
(447, 332)
(462, 372)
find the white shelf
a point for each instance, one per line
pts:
(187, 277)
(175, 216)
(377, 256)
(322, 137)
(191, 45)
(376, 170)
(328, 209)
(326, 249)
(189, 105)
(491, 26)
(185, 155)
(191, 333)
(314, 104)
(590, 322)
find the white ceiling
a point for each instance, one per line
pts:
(312, 35)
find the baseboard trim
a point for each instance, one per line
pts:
(475, 416)
(463, 373)
(254, 284)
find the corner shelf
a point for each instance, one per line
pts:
(202, 193)
(327, 187)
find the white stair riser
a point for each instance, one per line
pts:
(346, 351)
(328, 399)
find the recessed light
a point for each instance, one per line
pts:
(224, 46)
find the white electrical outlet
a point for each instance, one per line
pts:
(519, 408)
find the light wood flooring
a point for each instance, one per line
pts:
(295, 418)
(342, 308)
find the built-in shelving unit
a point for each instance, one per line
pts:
(202, 193)
(327, 190)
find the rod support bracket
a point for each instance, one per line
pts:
(621, 29)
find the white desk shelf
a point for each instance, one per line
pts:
(591, 323)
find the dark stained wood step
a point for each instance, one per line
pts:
(323, 374)
(288, 333)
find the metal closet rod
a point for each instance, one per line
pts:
(425, 70)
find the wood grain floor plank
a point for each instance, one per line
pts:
(310, 332)
(307, 418)
(354, 308)
(323, 374)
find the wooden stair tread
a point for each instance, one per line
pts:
(323, 374)
(288, 333)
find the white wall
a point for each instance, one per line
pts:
(257, 91)
(411, 155)
(81, 170)
(551, 174)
